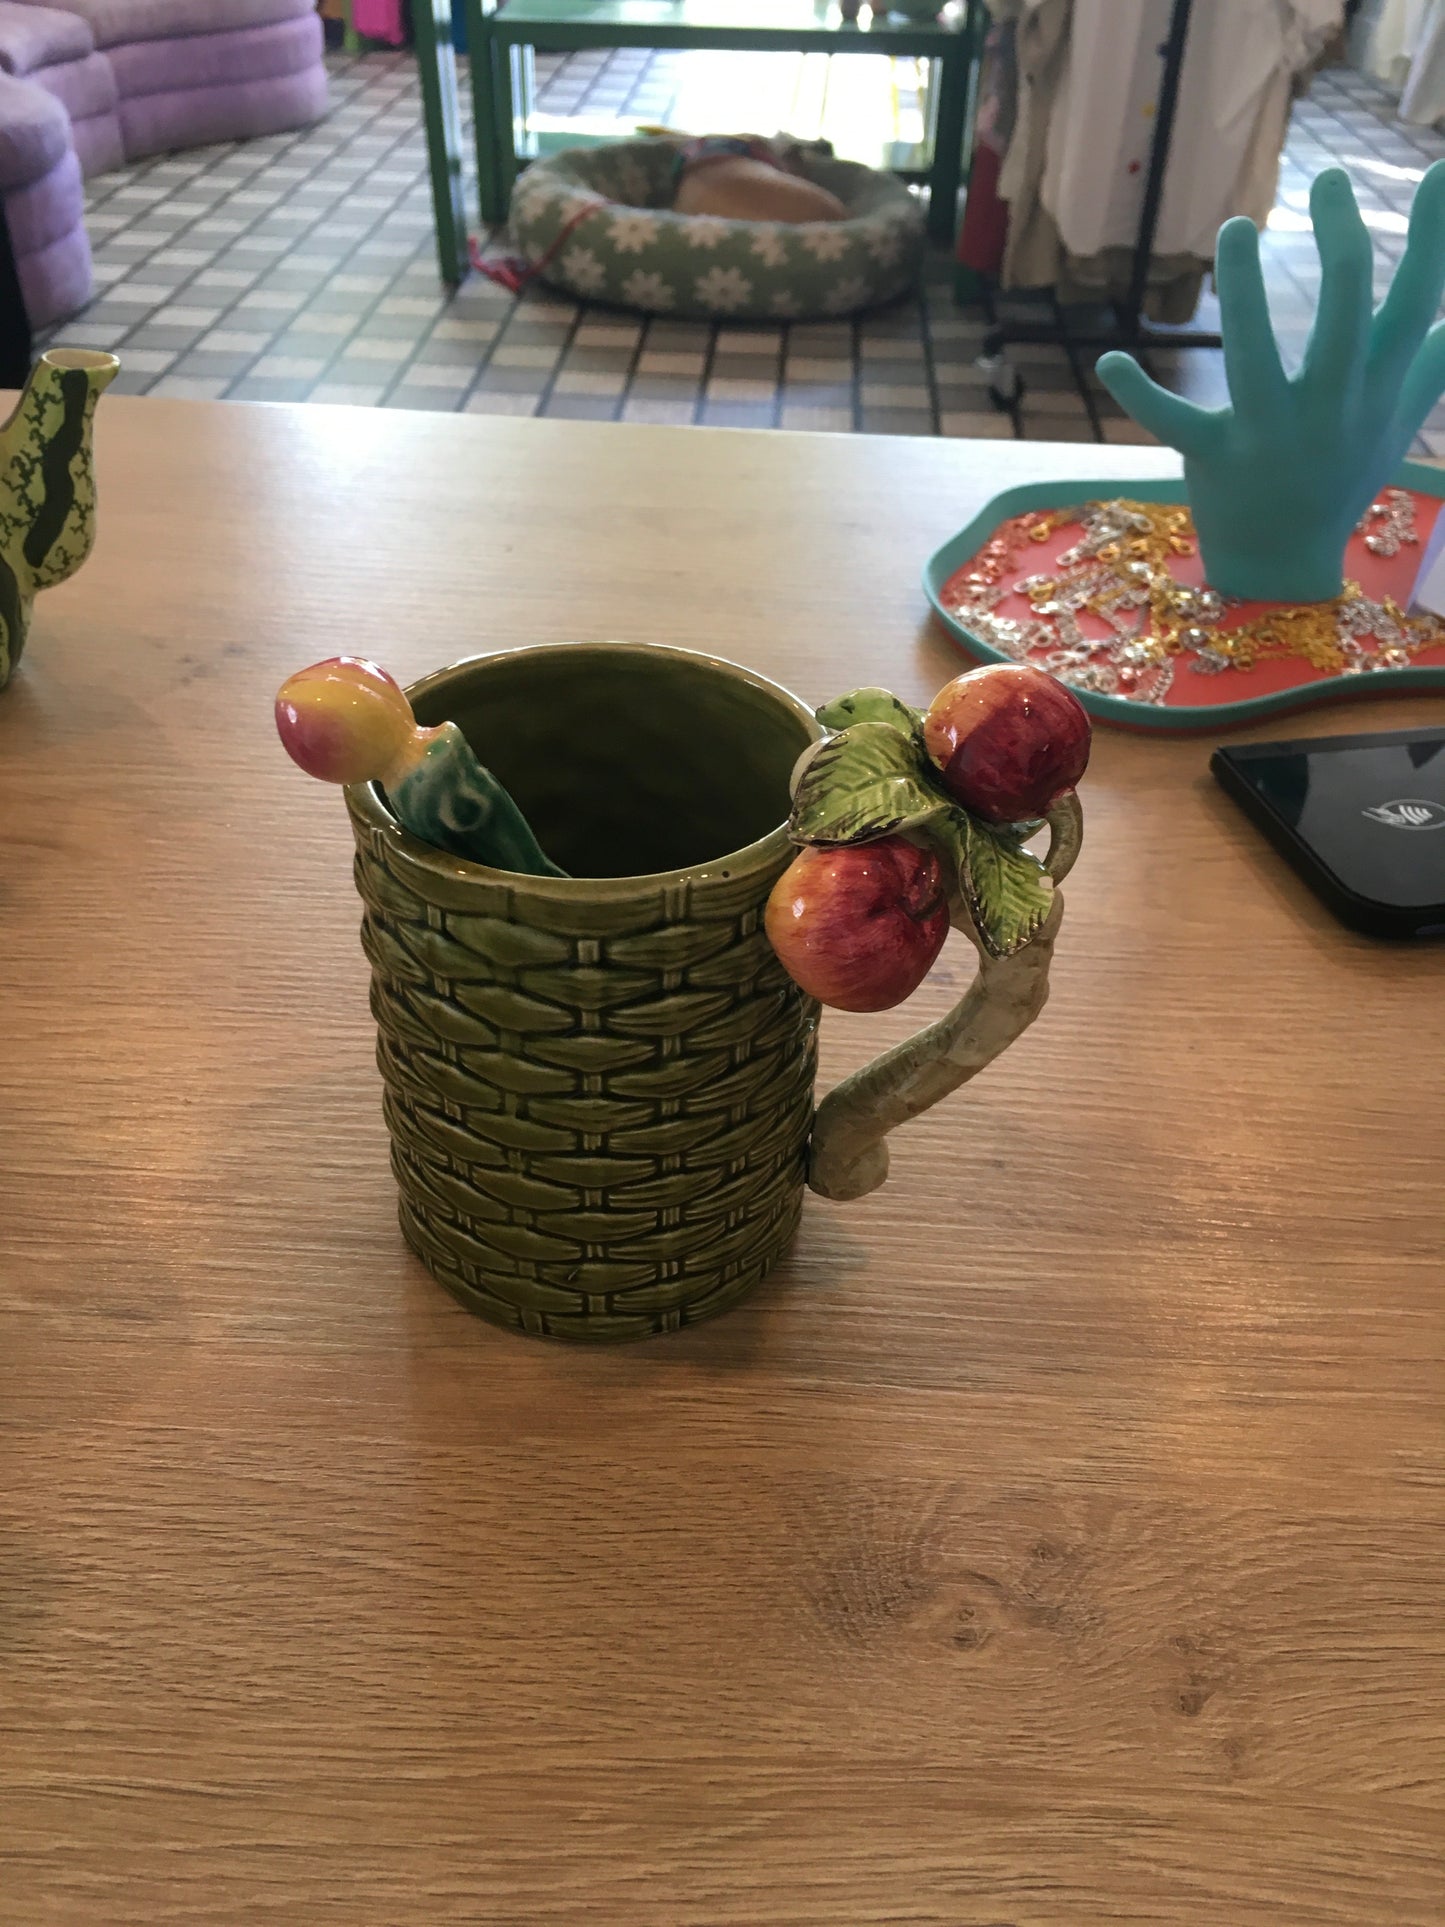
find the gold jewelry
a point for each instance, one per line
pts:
(1118, 571)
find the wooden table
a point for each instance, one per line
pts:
(1055, 1540)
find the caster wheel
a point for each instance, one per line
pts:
(1005, 383)
(1008, 393)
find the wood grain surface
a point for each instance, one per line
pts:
(1056, 1539)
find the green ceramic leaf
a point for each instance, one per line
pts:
(869, 706)
(1005, 887)
(1006, 891)
(863, 784)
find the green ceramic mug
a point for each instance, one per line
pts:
(599, 1087)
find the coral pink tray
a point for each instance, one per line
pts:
(1193, 700)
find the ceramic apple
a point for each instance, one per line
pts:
(1008, 740)
(859, 926)
(344, 720)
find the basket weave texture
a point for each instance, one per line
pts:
(598, 1103)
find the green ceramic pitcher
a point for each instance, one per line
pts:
(599, 1087)
(47, 486)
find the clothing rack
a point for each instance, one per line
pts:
(1130, 330)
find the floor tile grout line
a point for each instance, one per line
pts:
(374, 131)
(358, 244)
(322, 375)
(224, 310)
(150, 259)
(1076, 369)
(930, 372)
(517, 307)
(638, 349)
(780, 375)
(366, 315)
(294, 142)
(549, 384)
(709, 355)
(1351, 134)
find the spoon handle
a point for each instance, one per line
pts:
(446, 797)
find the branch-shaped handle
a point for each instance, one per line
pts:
(848, 1156)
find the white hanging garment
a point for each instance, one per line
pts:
(1042, 47)
(1238, 72)
(1423, 98)
(1385, 38)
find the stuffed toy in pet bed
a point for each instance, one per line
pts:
(600, 223)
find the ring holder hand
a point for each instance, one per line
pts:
(1279, 479)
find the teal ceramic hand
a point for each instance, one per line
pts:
(1279, 479)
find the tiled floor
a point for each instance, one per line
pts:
(301, 268)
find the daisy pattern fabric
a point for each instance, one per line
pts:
(597, 223)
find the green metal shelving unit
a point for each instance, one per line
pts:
(441, 106)
(499, 40)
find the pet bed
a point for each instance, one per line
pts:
(596, 222)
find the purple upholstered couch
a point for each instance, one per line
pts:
(87, 84)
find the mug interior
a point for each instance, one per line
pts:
(626, 760)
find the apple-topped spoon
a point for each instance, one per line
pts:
(347, 721)
(911, 823)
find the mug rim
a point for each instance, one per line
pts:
(366, 802)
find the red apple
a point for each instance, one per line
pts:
(859, 927)
(1008, 740)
